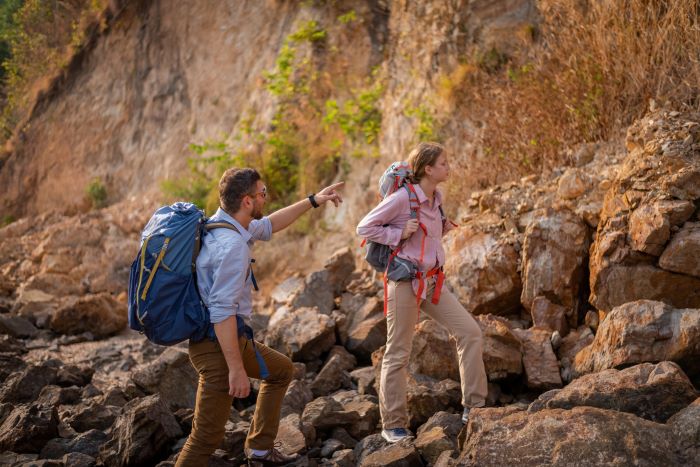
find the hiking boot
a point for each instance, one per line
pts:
(273, 457)
(394, 435)
(465, 415)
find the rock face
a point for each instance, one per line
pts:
(141, 433)
(654, 392)
(303, 334)
(566, 437)
(554, 255)
(482, 269)
(644, 331)
(653, 195)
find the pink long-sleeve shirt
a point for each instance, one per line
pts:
(394, 212)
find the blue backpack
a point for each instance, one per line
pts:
(164, 302)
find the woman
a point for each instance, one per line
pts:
(390, 223)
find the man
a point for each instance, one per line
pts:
(225, 279)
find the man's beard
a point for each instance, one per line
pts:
(257, 213)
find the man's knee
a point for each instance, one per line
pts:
(284, 371)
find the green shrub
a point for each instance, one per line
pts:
(96, 193)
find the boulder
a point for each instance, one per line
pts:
(644, 331)
(482, 270)
(343, 458)
(365, 407)
(554, 256)
(572, 184)
(91, 416)
(541, 366)
(654, 392)
(334, 373)
(28, 427)
(649, 230)
(433, 352)
(142, 434)
(426, 396)
(317, 291)
(364, 329)
(17, 326)
(682, 254)
(340, 266)
(54, 396)
(86, 443)
(303, 334)
(325, 412)
(297, 396)
(171, 376)
(502, 349)
(569, 347)
(437, 435)
(26, 385)
(234, 437)
(364, 379)
(291, 436)
(546, 314)
(367, 446)
(402, 454)
(581, 436)
(686, 431)
(101, 314)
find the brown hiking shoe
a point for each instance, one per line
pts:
(273, 457)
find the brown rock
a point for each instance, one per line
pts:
(17, 326)
(649, 230)
(303, 334)
(100, 314)
(502, 349)
(317, 291)
(570, 346)
(654, 392)
(554, 254)
(437, 435)
(334, 373)
(141, 434)
(295, 399)
(686, 431)
(581, 436)
(573, 184)
(398, 454)
(171, 376)
(367, 409)
(364, 379)
(427, 396)
(541, 366)
(644, 331)
(326, 412)
(290, 435)
(682, 254)
(340, 266)
(365, 328)
(546, 314)
(433, 353)
(28, 428)
(483, 272)
(676, 211)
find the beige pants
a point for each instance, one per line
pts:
(213, 404)
(402, 316)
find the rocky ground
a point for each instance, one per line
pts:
(585, 281)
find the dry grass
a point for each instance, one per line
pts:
(593, 67)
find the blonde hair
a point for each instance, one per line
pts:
(421, 156)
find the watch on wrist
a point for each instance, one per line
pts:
(312, 199)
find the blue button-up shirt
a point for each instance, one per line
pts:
(223, 266)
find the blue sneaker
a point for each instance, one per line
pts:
(394, 435)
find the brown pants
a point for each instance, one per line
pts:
(402, 316)
(213, 405)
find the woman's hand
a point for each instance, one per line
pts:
(411, 227)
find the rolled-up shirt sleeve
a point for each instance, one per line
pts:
(381, 225)
(260, 229)
(229, 281)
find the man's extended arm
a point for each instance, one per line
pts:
(282, 218)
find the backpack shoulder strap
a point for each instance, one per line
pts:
(220, 225)
(413, 203)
